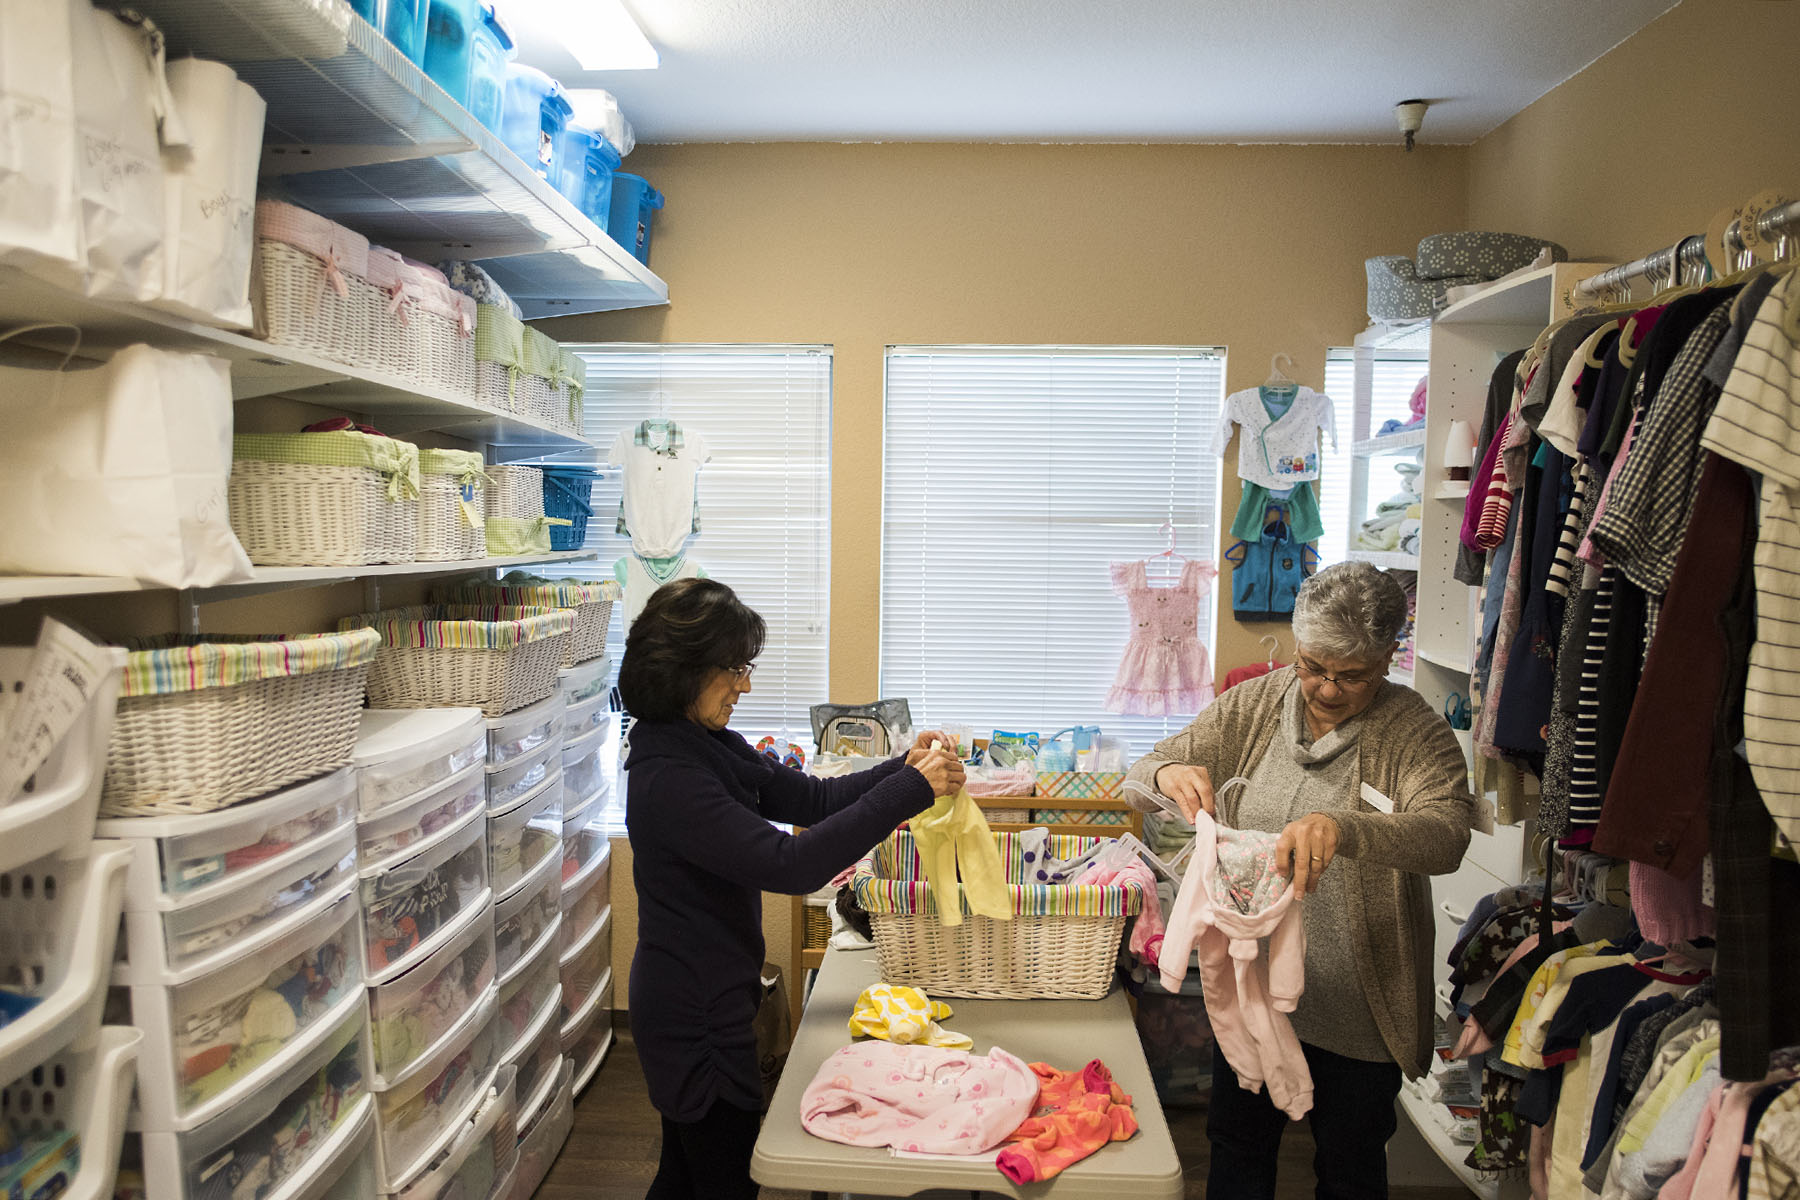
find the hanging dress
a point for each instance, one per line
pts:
(1165, 670)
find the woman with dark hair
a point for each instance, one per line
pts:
(699, 802)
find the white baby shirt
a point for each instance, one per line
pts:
(659, 508)
(1276, 452)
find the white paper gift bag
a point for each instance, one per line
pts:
(37, 134)
(123, 120)
(119, 468)
(210, 190)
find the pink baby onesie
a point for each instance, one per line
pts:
(919, 1098)
(1230, 897)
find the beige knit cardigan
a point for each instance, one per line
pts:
(1407, 753)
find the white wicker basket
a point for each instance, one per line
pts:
(443, 656)
(1061, 942)
(426, 332)
(206, 722)
(527, 395)
(452, 503)
(517, 492)
(592, 604)
(300, 304)
(300, 515)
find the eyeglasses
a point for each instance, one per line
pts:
(743, 673)
(1348, 683)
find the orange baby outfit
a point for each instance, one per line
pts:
(1077, 1112)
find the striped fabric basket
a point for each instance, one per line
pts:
(204, 722)
(324, 499)
(427, 331)
(310, 285)
(592, 604)
(1060, 944)
(452, 506)
(495, 658)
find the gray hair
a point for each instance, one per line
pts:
(1350, 610)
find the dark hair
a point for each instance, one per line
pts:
(687, 628)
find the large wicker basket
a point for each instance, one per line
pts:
(427, 331)
(1061, 943)
(310, 285)
(452, 506)
(515, 493)
(444, 656)
(204, 722)
(592, 604)
(324, 499)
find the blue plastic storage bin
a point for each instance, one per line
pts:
(369, 10)
(489, 52)
(571, 161)
(449, 38)
(633, 208)
(568, 493)
(535, 116)
(404, 24)
(602, 164)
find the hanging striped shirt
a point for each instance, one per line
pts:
(1757, 423)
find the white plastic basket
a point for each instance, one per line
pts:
(59, 919)
(88, 1089)
(55, 810)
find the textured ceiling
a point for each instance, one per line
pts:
(1073, 71)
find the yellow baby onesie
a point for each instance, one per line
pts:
(904, 1015)
(953, 836)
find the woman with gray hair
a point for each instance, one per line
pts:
(1368, 790)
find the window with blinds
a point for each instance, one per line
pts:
(765, 496)
(1013, 477)
(1396, 373)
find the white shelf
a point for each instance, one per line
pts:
(1403, 678)
(1387, 560)
(397, 405)
(14, 588)
(1522, 300)
(1408, 439)
(1451, 489)
(1418, 1109)
(1450, 662)
(360, 134)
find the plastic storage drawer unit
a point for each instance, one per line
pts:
(520, 838)
(538, 1060)
(401, 752)
(483, 1151)
(586, 898)
(526, 920)
(525, 997)
(586, 1045)
(509, 785)
(213, 1038)
(585, 966)
(541, 1140)
(519, 733)
(584, 681)
(418, 1115)
(412, 1013)
(411, 909)
(411, 825)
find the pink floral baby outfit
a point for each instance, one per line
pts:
(918, 1098)
(1165, 671)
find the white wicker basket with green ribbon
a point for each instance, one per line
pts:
(512, 371)
(204, 722)
(324, 499)
(515, 492)
(452, 506)
(543, 396)
(571, 380)
(1061, 942)
(494, 657)
(591, 602)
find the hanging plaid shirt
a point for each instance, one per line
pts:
(660, 505)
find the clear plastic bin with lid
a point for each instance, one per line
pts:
(535, 114)
(450, 31)
(490, 49)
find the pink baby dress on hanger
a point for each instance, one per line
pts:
(1165, 670)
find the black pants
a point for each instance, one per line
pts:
(708, 1159)
(1352, 1119)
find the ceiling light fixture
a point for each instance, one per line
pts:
(600, 34)
(1409, 115)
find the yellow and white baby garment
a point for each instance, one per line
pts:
(904, 1015)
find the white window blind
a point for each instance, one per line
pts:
(1396, 374)
(765, 497)
(1013, 477)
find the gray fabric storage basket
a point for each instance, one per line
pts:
(1445, 256)
(1396, 293)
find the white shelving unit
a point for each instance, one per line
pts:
(1387, 560)
(360, 134)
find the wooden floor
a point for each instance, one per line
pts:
(612, 1153)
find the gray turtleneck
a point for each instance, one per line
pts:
(1301, 775)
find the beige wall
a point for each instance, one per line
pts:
(1694, 114)
(1255, 248)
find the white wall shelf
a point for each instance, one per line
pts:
(1392, 443)
(360, 134)
(14, 588)
(1451, 489)
(1387, 560)
(400, 406)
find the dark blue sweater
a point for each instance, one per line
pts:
(698, 805)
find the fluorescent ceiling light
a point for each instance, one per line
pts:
(599, 34)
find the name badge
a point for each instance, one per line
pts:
(1380, 802)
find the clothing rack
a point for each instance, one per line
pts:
(1687, 254)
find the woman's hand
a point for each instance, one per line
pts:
(1190, 787)
(941, 769)
(1305, 848)
(923, 743)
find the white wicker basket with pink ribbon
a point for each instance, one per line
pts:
(427, 330)
(311, 287)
